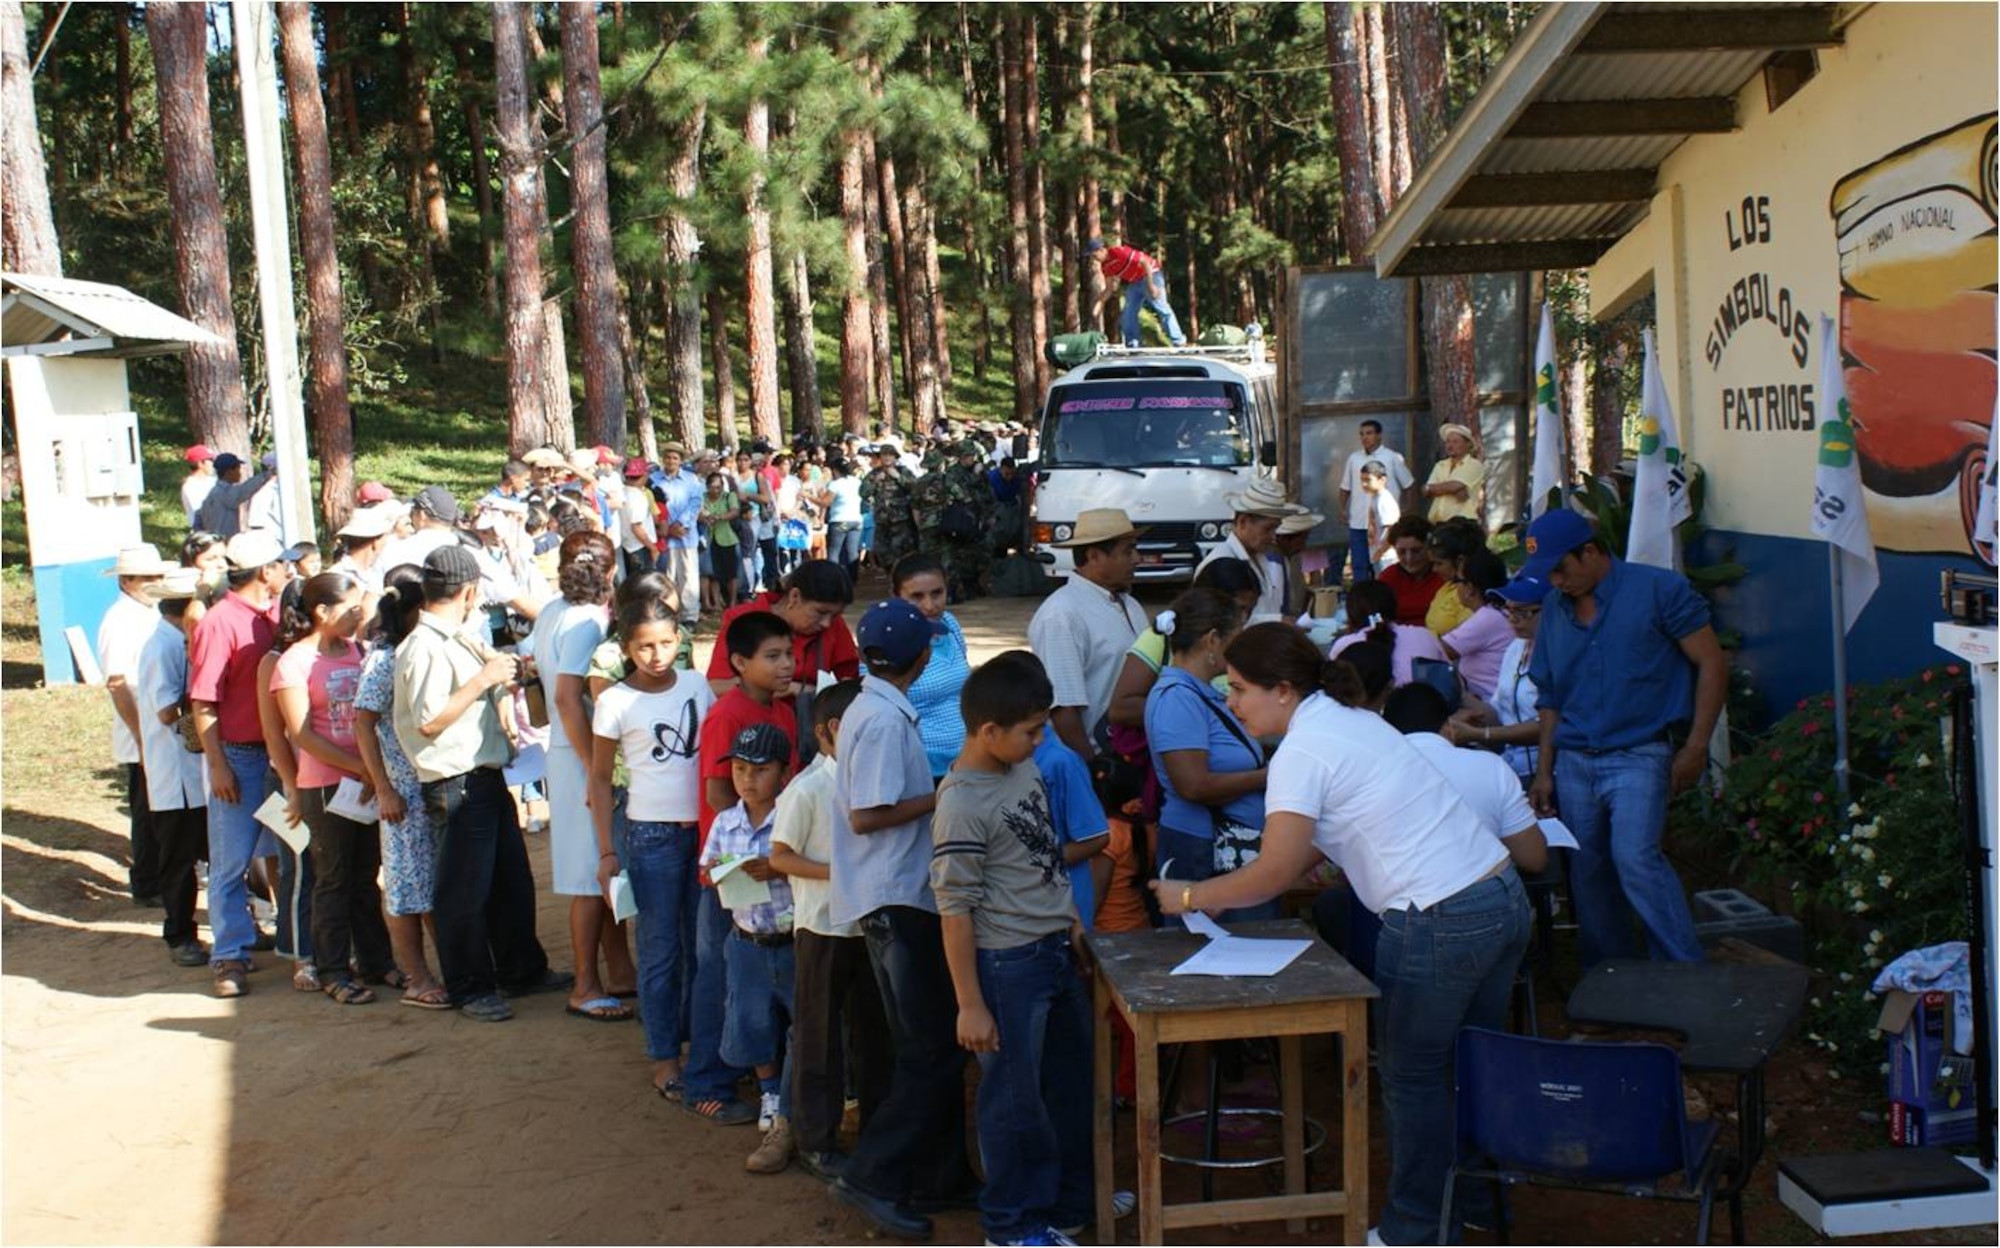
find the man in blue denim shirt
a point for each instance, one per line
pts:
(1624, 652)
(680, 491)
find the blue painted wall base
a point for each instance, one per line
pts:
(1783, 609)
(71, 594)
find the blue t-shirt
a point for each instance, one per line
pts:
(1622, 680)
(1004, 491)
(1183, 713)
(935, 695)
(1074, 809)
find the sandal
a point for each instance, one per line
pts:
(305, 978)
(672, 1090)
(429, 997)
(392, 978)
(601, 1010)
(345, 991)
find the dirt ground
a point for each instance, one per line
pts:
(137, 1108)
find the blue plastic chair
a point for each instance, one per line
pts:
(1585, 1115)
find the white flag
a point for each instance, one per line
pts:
(1549, 428)
(1839, 514)
(1659, 483)
(1983, 524)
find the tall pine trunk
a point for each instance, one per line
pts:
(680, 245)
(760, 310)
(29, 231)
(529, 422)
(856, 343)
(632, 356)
(801, 351)
(482, 177)
(420, 139)
(919, 209)
(122, 26)
(884, 343)
(1360, 203)
(598, 338)
(1092, 197)
(920, 308)
(725, 381)
(1019, 238)
(312, 181)
(218, 411)
(557, 400)
(1038, 232)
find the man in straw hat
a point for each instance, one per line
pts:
(120, 638)
(1259, 510)
(174, 793)
(1457, 480)
(1082, 631)
(1287, 554)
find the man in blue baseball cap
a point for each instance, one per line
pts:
(1629, 681)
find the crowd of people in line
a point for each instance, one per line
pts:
(841, 863)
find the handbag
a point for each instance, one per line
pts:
(1439, 675)
(1236, 845)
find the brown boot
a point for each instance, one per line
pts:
(775, 1153)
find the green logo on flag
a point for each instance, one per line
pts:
(1545, 387)
(1649, 436)
(1836, 440)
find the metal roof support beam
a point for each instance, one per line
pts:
(1591, 119)
(1729, 30)
(1541, 190)
(1437, 258)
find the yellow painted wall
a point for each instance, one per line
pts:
(1756, 207)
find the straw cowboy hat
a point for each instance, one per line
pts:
(545, 457)
(1100, 524)
(1445, 431)
(1300, 522)
(1263, 498)
(178, 583)
(141, 560)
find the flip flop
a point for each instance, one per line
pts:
(601, 1010)
(630, 994)
(432, 998)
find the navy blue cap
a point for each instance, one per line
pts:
(761, 743)
(1524, 589)
(897, 631)
(1554, 534)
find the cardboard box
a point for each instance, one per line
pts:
(1913, 1126)
(1929, 1086)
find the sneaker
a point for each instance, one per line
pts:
(1047, 1237)
(189, 954)
(775, 1153)
(767, 1112)
(1122, 1205)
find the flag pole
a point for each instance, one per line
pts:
(1840, 785)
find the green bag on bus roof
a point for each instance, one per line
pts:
(1070, 350)
(1222, 336)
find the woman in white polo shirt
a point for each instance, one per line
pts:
(1347, 786)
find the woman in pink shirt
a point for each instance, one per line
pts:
(1371, 616)
(1480, 642)
(315, 682)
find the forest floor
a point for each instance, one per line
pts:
(138, 1108)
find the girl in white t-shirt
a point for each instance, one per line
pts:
(651, 720)
(1346, 786)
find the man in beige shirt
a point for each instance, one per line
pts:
(447, 716)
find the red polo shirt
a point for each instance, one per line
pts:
(1413, 594)
(732, 713)
(222, 664)
(831, 649)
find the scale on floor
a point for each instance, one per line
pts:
(1891, 1190)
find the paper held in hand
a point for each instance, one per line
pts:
(346, 802)
(1557, 834)
(733, 886)
(624, 904)
(272, 815)
(1234, 955)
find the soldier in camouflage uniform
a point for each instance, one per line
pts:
(887, 490)
(965, 558)
(927, 502)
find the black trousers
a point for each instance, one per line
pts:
(145, 874)
(347, 901)
(181, 838)
(836, 1015)
(484, 906)
(914, 1147)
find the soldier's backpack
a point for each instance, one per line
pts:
(1222, 336)
(1070, 350)
(1019, 576)
(959, 523)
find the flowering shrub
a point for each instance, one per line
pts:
(1873, 880)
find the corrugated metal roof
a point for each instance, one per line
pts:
(1491, 225)
(50, 309)
(1653, 75)
(1636, 151)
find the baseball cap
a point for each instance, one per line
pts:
(372, 521)
(435, 500)
(1524, 589)
(198, 454)
(1553, 534)
(761, 743)
(450, 567)
(297, 551)
(374, 492)
(635, 468)
(227, 460)
(252, 549)
(605, 455)
(897, 631)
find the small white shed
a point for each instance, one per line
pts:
(65, 344)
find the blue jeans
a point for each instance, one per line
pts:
(1357, 550)
(1440, 969)
(1186, 856)
(1150, 294)
(843, 546)
(1034, 1093)
(757, 1028)
(659, 860)
(1615, 804)
(232, 843)
(706, 1076)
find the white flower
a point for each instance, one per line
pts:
(1815, 1003)
(1859, 907)
(1867, 854)
(1875, 936)
(1874, 961)
(1854, 810)
(1885, 880)
(1833, 1074)
(1923, 760)
(1846, 977)
(1882, 1069)
(1854, 889)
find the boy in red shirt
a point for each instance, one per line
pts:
(1145, 286)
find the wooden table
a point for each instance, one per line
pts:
(1318, 993)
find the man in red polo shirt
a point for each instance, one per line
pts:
(811, 602)
(223, 655)
(1413, 578)
(1145, 286)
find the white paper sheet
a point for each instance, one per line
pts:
(272, 815)
(1203, 925)
(1238, 955)
(624, 904)
(531, 763)
(733, 886)
(1557, 834)
(346, 802)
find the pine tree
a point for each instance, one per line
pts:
(529, 423)
(29, 221)
(597, 320)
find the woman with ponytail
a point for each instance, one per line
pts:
(1371, 616)
(409, 842)
(315, 683)
(1346, 786)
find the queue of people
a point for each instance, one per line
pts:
(838, 864)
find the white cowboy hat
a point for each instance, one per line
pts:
(254, 548)
(583, 463)
(141, 560)
(372, 521)
(1300, 522)
(1100, 524)
(1263, 498)
(1445, 431)
(177, 583)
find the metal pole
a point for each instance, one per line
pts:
(264, 158)
(1839, 678)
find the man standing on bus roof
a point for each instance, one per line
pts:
(1145, 286)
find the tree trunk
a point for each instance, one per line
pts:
(529, 422)
(634, 362)
(1382, 129)
(725, 382)
(599, 341)
(1607, 410)
(420, 137)
(1027, 375)
(1064, 97)
(1038, 231)
(1360, 204)
(884, 373)
(340, 92)
(856, 343)
(761, 336)
(218, 411)
(922, 311)
(1086, 106)
(557, 400)
(801, 352)
(482, 177)
(680, 244)
(1575, 386)
(918, 195)
(30, 224)
(312, 181)
(122, 24)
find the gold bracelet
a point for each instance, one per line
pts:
(1187, 898)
